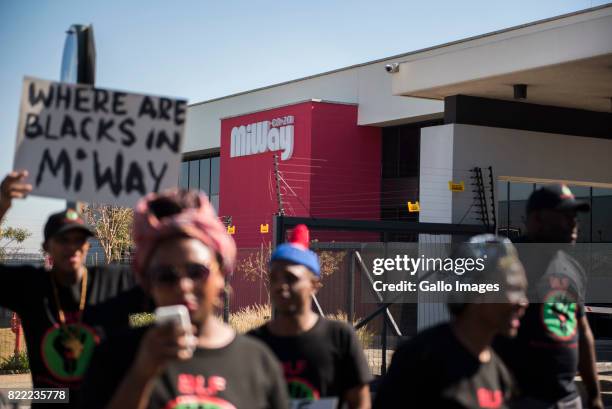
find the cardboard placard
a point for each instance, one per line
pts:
(98, 145)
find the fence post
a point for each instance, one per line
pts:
(16, 329)
(351, 288)
(226, 302)
(383, 366)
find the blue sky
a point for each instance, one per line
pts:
(205, 49)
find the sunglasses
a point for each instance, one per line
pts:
(169, 275)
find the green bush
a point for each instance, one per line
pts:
(15, 364)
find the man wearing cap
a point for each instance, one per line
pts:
(321, 358)
(453, 365)
(555, 340)
(55, 305)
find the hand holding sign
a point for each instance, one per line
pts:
(98, 145)
(12, 187)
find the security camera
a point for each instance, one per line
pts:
(391, 68)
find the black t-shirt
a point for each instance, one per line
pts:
(434, 370)
(58, 357)
(243, 374)
(544, 354)
(325, 361)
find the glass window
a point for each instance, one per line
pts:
(594, 226)
(502, 208)
(214, 200)
(601, 211)
(583, 193)
(502, 191)
(400, 151)
(194, 174)
(184, 176)
(205, 175)
(214, 175)
(519, 193)
(390, 152)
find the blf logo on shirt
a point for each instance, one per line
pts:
(264, 136)
(199, 392)
(489, 399)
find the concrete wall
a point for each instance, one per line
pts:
(367, 85)
(513, 154)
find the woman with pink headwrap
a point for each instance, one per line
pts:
(182, 256)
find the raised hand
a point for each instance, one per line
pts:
(13, 187)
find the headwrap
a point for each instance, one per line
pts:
(200, 223)
(296, 250)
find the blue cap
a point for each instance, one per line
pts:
(297, 255)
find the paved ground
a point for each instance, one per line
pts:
(16, 381)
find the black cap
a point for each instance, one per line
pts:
(555, 197)
(64, 221)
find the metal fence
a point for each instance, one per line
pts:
(347, 248)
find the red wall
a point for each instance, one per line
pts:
(334, 171)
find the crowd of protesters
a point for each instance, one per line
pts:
(502, 354)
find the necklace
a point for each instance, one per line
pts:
(70, 336)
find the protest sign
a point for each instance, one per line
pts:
(97, 145)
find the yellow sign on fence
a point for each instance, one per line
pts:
(264, 228)
(456, 187)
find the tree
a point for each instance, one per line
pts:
(255, 267)
(9, 236)
(113, 228)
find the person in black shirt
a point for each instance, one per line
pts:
(452, 365)
(321, 358)
(55, 306)
(182, 254)
(555, 340)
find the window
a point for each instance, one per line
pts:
(400, 151)
(601, 211)
(400, 171)
(214, 181)
(583, 193)
(502, 219)
(593, 227)
(194, 174)
(205, 175)
(202, 174)
(184, 175)
(517, 215)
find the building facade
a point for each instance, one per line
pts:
(531, 103)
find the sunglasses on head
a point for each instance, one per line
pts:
(170, 275)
